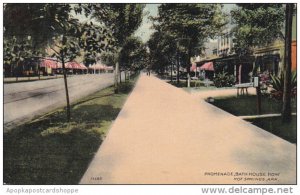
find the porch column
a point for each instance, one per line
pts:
(240, 73)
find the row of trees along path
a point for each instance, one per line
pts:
(30, 29)
(182, 30)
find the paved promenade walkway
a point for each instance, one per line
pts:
(164, 135)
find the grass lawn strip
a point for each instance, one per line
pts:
(247, 106)
(48, 150)
(276, 127)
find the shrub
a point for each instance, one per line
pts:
(265, 82)
(265, 78)
(224, 80)
(278, 83)
(201, 78)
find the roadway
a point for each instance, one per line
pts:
(26, 100)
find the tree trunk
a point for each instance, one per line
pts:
(188, 79)
(120, 76)
(39, 73)
(258, 94)
(177, 76)
(188, 66)
(11, 70)
(116, 78)
(240, 73)
(171, 72)
(66, 90)
(286, 99)
(17, 72)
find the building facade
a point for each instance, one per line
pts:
(225, 44)
(267, 59)
(226, 60)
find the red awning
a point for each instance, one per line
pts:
(193, 67)
(208, 66)
(82, 67)
(73, 65)
(48, 63)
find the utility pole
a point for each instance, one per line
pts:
(286, 98)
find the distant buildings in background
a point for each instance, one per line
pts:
(268, 59)
(50, 66)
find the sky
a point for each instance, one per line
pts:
(145, 31)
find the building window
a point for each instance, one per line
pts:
(221, 41)
(227, 39)
(215, 52)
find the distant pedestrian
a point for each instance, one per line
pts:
(148, 72)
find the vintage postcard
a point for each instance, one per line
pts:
(150, 93)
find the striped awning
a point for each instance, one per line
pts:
(49, 63)
(73, 65)
(82, 66)
(207, 66)
(194, 67)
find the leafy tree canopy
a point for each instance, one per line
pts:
(40, 21)
(108, 58)
(122, 19)
(182, 29)
(163, 48)
(133, 54)
(257, 25)
(196, 22)
(53, 25)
